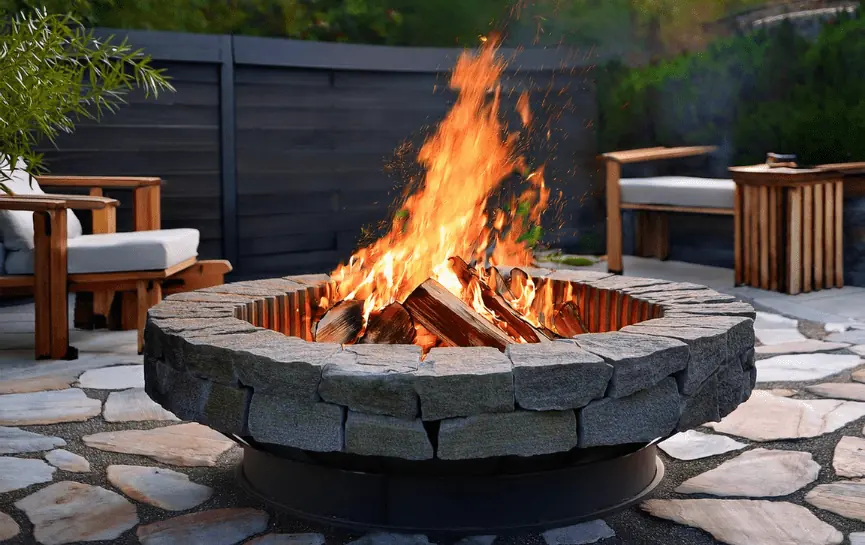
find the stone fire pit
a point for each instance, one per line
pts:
(663, 357)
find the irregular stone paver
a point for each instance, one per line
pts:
(758, 473)
(579, 534)
(849, 459)
(765, 417)
(17, 473)
(35, 384)
(782, 392)
(392, 539)
(67, 461)
(288, 539)
(836, 327)
(134, 406)
(181, 445)
(800, 367)
(770, 337)
(693, 445)
(853, 336)
(857, 538)
(162, 488)
(839, 390)
(858, 375)
(800, 347)
(214, 527)
(18, 441)
(67, 512)
(119, 377)
(845, 498)
(767, 320)
(858, 349)
(748, 522)
(8, 527)
(70, 405)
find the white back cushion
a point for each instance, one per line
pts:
(16, 226)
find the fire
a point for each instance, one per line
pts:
(465, 162)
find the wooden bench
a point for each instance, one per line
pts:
(655, 197)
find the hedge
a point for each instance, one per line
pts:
(769, 91)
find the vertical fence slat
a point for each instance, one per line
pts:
(228, 152)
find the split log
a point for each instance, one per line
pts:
(392, 325)
(498, 283)
(568, 322)
(516, 325)
(450, 319)
(341, 324)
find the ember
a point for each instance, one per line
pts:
(437, 262)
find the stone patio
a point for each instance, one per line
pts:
(84, 456)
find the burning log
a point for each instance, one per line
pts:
(451, 320)
(341, 324)
(567, 321)
(519, 281)
(424, 338)
(498, 283)
(496, 303)
(393, 325)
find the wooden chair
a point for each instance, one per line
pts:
(132, 266)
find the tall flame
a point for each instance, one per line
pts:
(465, 161)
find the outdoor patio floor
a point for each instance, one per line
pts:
(781, 446)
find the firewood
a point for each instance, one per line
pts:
(519, 280)
(392, 325)
(498, 283)
(341, 324)
(516, 325)
(450, 319)
(567, 321)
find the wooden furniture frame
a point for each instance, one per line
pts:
(51, 284)
(652, 231)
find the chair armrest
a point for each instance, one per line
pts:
(73, 202)
(30, 205)
(104, 182)
(656, 154)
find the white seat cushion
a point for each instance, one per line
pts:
(679, 191)
(16, 226)
(119, 252)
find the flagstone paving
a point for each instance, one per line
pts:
(89, 457)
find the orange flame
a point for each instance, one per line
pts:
(466, 160)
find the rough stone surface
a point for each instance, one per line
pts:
(774, 337)
(119, 377)
(639, 361)
(373, 378)
(839, 390)
(381, 435)
(214, 527)
(731, 386)
(782, 392)
(520, 433)
(767, 320)
(36, 384)
(557, 376)
(291, 369)
(766, 417)
(641, 417)
(305, 425)
(845, 498)
(857, 538)
(288, 539)
(801, 367)
(580, 534)
(163, 488)
(68, 461)
(18, 441)
(17, 473)
(748, 522)
(68, 512)
(758, 473)
(133, 406)
(849, 459)
(8, 527)
(807, 346)
(219, 356)
(693, 445)
(187, 445)
(701, 407)
(380, 538)
(464, 381)
(71, 405)
(737, 308)
(476, 540)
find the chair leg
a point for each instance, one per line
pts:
(614, 218)
(50, 291)
(42, 286)
(148, 294)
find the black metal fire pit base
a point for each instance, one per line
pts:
(490, 496)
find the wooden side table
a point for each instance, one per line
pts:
(789, 228)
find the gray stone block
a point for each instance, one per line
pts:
(731, 386)
(162, 337)
(288, 367)
(750, 382)
(748, 359)
(218, 356)
(557, 376)
(380, 435)
(701, 407)
(622, 283)
(520, 433)
(570, 275)
(662, 288)
(638, 418)
(737, 308)
(176, 391)
(202, 311)
(309, 426)
(373, 378)
(690, 297)
(639, 361)
(708, 347)
(225, 408)
(464, 381)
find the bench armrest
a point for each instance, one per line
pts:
(656, 154)
(103, 182)
(40, 203)
(146, 194)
